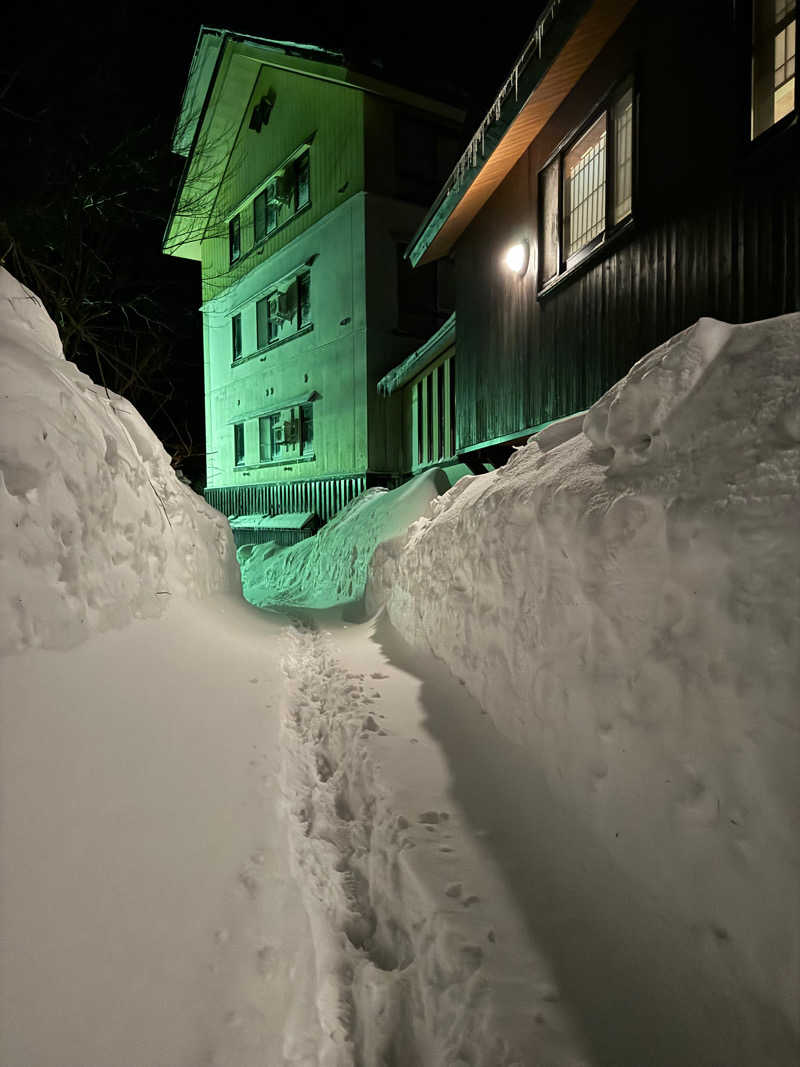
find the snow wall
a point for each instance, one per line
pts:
(95, 527)
(622, 598)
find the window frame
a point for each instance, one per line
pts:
(567, 266)
(238, 445)
(272, 213)
(235, 244)
(752, 47)
(236, 336)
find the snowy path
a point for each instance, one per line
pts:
(424, 956)
(147, 911)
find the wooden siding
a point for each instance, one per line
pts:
(716, 234)
(303, 106)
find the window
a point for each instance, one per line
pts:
(307, 429)
(238, 444)
(284, 311)
(236, 335)
(433, 413)
(774, 62)
(286, 193)
(234, 238)
(587, 189)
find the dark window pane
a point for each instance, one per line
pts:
(234, 241)
(238, 443)
(301, 182)
(429, 416)
(440, 407)
(303, 299)
(259, 218)
(307, 429)
(236, 335)
(420, 424)
(262, 325)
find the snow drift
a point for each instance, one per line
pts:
(331, 568)
(95, 527)
(624, 604)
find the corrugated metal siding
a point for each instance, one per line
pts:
(324, 496)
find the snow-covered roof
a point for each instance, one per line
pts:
(412, 365)
(288, 520)
(567, 37)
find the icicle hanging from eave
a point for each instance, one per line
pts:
(469, 157)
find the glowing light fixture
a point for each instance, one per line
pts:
(516, 258)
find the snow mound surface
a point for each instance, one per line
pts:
(331, 568)
(95, 526)
(624, 604)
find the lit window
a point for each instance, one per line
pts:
(238, 444)
(234, 238)
(236, 335)
(594, 176)
(774, 63)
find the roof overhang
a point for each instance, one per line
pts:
(553, 61)
(420, 358)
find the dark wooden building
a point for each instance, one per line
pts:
(641, 168)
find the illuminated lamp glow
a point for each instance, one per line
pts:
(517, 256)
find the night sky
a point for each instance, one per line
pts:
(88, 100)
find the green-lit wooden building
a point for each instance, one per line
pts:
(303, 185)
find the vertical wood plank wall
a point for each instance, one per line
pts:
(717, 233)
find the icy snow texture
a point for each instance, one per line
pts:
(95, 527)
(331, 568)
(624, 604)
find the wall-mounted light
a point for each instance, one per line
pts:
(517, 257)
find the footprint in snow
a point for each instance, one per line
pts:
(454, 890)
(377, 674)
(469, 901)
(253, 681)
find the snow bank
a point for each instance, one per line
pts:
(95, 527)
(331, 568)
(624, 604)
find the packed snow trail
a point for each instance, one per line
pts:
(423, 955)
(148, 914)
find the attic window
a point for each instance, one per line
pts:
(261, 113)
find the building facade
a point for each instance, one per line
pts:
(638, 170)
(303, 186)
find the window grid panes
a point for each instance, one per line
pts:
(774, 63)
(585, 188)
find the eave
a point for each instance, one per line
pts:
(558, 58)
(420, 358)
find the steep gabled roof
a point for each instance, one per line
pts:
(222, 75)
(566, 39)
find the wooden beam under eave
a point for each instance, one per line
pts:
(591, 35)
